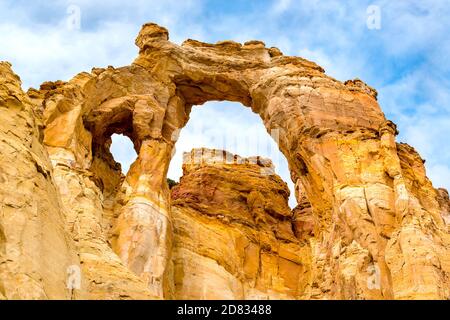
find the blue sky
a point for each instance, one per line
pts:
(406, 59)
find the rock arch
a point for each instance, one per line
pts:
(376, 215)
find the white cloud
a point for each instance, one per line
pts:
(428, 135)
(41, 51)
(45, 54)
(281, 6)
(439, 175)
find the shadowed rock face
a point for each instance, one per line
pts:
(369, 223)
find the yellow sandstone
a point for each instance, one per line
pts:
(369, 224)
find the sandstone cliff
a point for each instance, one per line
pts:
(233, 230)
(35, 250)
(368, 225)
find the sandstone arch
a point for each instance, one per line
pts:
(377, 218)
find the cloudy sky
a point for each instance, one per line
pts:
(404, 55)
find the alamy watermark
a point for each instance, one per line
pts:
(73, 19)
(73, 277)
(373, 21)
(374, 279)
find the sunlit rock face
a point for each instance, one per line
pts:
(35, 248)
(368, 225)
(233, 231)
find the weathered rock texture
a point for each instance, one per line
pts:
(369, 223)
(233, 231)
(35, 250)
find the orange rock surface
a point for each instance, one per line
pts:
(233, 231)
(368, 225)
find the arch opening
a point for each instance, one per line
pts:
(123, 152)
(229, 126)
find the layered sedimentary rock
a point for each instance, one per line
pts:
(369, 224)
(88, 180)
(233, 231)
(35, 249)
(444, 203)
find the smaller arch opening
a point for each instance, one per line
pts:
(123, 151)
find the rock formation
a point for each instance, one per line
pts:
(368, 225)
(233, 235)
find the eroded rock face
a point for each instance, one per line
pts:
(233, 231)
(444, 203)
(35, 249)
(369, 223)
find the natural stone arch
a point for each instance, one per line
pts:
(290, 94)
(340, 148)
